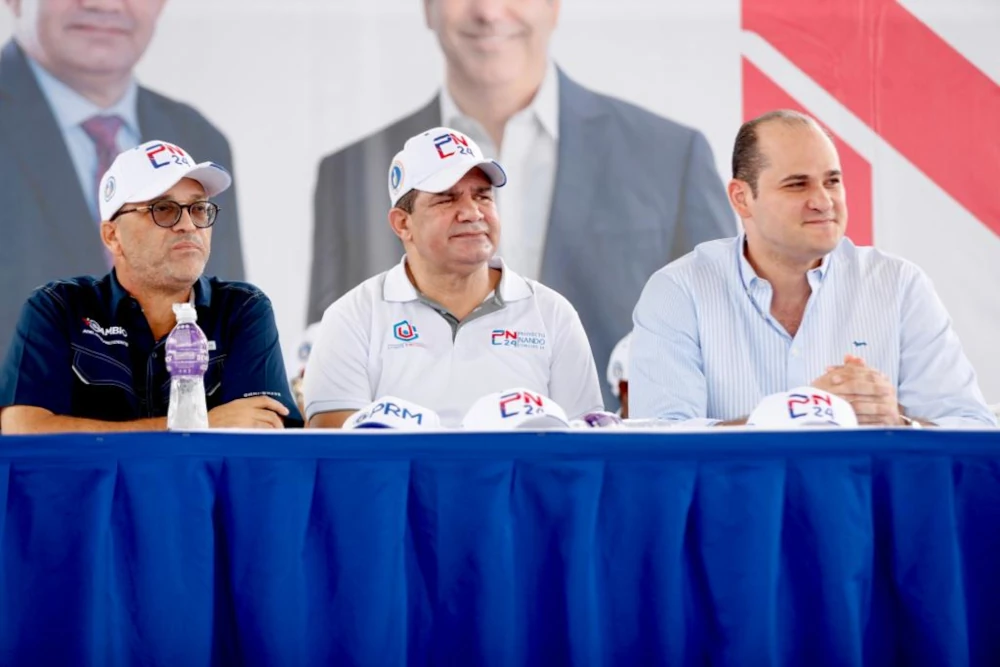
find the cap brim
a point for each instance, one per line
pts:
(446, 178)
(778, 424)
(543, 422)
(213, 177)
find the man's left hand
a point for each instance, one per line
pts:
(869, 391)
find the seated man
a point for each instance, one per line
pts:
(792, 302)
(450, 323)
(88, 352)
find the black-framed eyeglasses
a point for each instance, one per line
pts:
(167, 213)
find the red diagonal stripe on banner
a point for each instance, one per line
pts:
(761, 94)
(918, 93)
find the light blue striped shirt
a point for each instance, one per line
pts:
(705, 346)
(71, 109)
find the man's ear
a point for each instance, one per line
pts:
(427, 13)
(558, 8)
(740, 196)
(399, 221)
(109, 236)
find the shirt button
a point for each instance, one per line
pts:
(795, 352)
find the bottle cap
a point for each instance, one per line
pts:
(185, 312)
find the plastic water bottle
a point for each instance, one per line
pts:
(187, 361)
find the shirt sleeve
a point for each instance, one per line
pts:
(336, 376)
(573, 382)
(38, 368)
(936, 379)
(255, 366)
(666, 371)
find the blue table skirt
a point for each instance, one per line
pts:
(807, 548)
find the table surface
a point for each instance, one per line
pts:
(818, 547)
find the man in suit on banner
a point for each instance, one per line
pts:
(68, 105)
(601, 192)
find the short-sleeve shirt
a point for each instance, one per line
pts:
(385, 338)
(83, 348)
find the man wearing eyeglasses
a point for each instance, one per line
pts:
(88, 353)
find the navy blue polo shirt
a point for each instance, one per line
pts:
(83, 348)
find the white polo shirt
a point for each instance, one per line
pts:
(384, 337)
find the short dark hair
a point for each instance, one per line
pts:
(406, 202)
(748, 161)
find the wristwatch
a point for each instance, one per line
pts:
(912, 423)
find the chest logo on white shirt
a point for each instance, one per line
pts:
(404, 331)
(406, 334)
(526, 340)
(860, 343)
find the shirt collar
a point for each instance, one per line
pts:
(398, 288)
(71, 108)
(202, 292)
(749, 276)
(544, 107)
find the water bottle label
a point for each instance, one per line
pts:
(186, 351)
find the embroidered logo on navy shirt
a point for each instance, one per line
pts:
(103, 334)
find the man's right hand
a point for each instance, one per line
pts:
(253, 412)
(867, 390)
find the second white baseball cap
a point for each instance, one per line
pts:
(517, 408)
(150, 169)
(435, 160)
(394, 413)
(802, 406)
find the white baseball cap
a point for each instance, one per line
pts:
(437, 159)
(618, 363)
(517, 408)
(802, 406)
(150, 169)
(394, 413)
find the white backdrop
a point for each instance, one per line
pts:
(291, 81)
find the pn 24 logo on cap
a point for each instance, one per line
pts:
(517, 408)
(802, 406)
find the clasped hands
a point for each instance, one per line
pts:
(869, 391)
